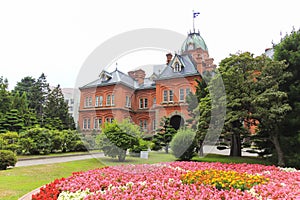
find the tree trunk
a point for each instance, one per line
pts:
(280, 156)
(236, 147)
(122, 156)
(200, 149)
(167, 148)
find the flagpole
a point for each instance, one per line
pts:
(193, 21)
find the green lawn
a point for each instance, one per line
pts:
(18, 181)
(228, 159)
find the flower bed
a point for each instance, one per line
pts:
(177, 180)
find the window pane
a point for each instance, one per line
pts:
(165, 95)
(108, 100)
(154, 101)
(145, 124)
(145, 103)
(112, 100)
(96, 123)
(141, 124)
(90, 101)
(141, 103)
(171, 95)
(100, 100)
(89, 123)
(97, 101)
(181, 94)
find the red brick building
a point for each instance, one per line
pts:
(145, 100)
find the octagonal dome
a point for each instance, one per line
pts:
(192, 42)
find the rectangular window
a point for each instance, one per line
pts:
(108, 100)
(100, 100)
(88, 123)
(154, 101)
(100, 123)
(145, 125)
(141, 103)
(72, 101)
(154, 125)
(165, 97)
(96, 125)
(141, 125)
(145, 103)
(86, 102)
(84, 123)
(187, 92)
(128, 102)
(112, 99)
(90, 101)
(97, 101)
(171, 96)
(181, 94)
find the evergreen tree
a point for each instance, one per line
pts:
(5, 99)
(271, 104)
(27, 85)
(238, 76)
(56, 111)
(40, 92)
(5, 103)
(288, 50)
(165, 134)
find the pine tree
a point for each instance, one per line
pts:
(165, 134)
(56, 110)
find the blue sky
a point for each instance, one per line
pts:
(56, 37)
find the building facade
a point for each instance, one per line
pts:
(146, 100)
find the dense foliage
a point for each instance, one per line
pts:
(42, 141)
(183, 144)
(7, 158)
(288, 50)
(32, 103)
(117, 138)
(262, 102)
(164, 135)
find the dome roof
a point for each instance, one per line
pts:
(192, 42)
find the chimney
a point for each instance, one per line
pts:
(138, 75)
(169, 58)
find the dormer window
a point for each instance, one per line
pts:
(177, 67)
(105, 76)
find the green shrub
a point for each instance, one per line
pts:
(7, 158)
(183, 144)
(142, 146)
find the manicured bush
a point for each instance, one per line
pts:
(7, 158)
(142, 146)
(183, 144)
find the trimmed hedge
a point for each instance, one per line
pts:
(7, 158)
(183, 144)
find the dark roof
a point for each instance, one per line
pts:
(116, 77)
(188, 68)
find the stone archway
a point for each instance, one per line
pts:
(176, 121)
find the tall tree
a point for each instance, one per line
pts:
(288, 50)
(40, 90)
(271, 104)
(56, 110)
(237, 73)
(5, 102)
(5, 98)
(27, 85)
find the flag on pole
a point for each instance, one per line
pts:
(196, 14)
